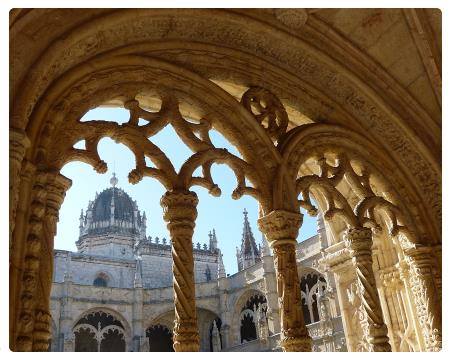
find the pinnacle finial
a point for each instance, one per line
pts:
(245, 213)
(113, 180)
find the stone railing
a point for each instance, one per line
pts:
(272, 344)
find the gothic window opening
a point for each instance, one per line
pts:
(248, 317)
(248, 328)
(208, 273)
(99, 331)
(311, 286)
(101, 280)
(159, 338)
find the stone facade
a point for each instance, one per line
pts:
(131, 280)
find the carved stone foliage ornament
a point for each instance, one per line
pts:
(266, 107)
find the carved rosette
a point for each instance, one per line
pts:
(359, 243)
(281, 229)
(425, 294)
(180, 212)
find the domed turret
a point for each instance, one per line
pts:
(112, 213)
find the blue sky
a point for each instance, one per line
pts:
(223, 213)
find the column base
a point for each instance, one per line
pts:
(378, 339)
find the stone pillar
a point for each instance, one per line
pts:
(281, 229)
(18, 247)
(180, 212)
(65, 317)
(425, 295)
(359, 243)
(56, 187)
(138, 314)
(225, 332)
(407, 297)
(30, 275)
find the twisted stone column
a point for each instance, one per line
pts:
(180, 212)
(425, 294)
(359, 243)
(281, 229)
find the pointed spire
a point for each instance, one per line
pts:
(265, 251)
(81, 222)
(212, 240)
(249, 253)
(220, 267)
(113, 180)
(113, 207)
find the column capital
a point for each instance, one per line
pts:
(359, 241)
(280, 226)
(179, 205)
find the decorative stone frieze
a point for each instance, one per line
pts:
(359, 244)
(180, 212)
(281, 229)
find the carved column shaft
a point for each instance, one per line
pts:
(426, 297)
(359, 244)
(56, 187)
(18, 143)
(281, 230)
(180, 212)
(30, 274)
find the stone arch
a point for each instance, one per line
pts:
(309, 289)
(239, 302)
(392, 120)
(311, 140)
(205, 318)
(105, 279)
(159, 338)
(127, 333)
(382, 200)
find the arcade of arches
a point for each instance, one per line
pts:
(342, 106)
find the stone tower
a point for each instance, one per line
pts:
(112, 224)
(249, 253)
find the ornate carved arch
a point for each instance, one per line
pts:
(313, 141)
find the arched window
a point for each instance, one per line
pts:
(310, 286)
(101, 280)
(99, 331)
(160, 338)
(208, 273)
(248, 318)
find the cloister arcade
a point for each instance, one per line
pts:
(306, 127)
